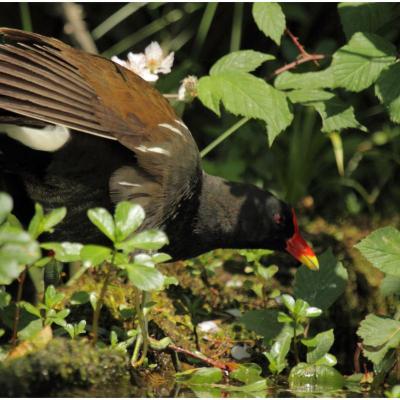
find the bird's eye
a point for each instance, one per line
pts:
(277, 218)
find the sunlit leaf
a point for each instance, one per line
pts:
(382, 249)
(64, 251)
(6, 205)
(199, 376)
(319, 345)
(128, 217)
(151, 239)
(145, 278)
(270, 19)
(94, 254)
(103, 220)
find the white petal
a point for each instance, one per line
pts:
(147, 75)
(137, 59)
(153, 51)
(166, 64)
(119, 61)
(182, 93)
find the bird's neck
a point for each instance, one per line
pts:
(224, 216)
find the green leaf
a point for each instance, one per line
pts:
(278, 353)
(327, 359)
(242, 60)
(151, 239)
(321, 288)
(5, 299)
(358, 64)
(52, 297)
(366, 17)
(128, 218)
(103, 220)
(266, 272)
(319, 345)
(388, 91)
(80, 297)
(159, 258)
(288, 301)
(390, 285)
(53, 218)
(94, 255)
(308, 80)
(30, 330)
(270, 19)
(23, 253)
(263, 322)
(6, 205)
(382, 249)
(312, 312)
(35, 226)
(199, 376)
(30, 308)
(379, 334)
(9, 269)
(145, 278)
(208, 94)
(65, 251)
(247, 373)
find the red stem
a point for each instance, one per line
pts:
(299, 46)
(302, 60)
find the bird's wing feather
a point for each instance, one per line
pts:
(47, 80)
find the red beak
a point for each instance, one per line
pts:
(299, 248)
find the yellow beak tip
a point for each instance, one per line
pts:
(310, 262)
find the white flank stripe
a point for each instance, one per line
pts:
(159, 150)
(50, 138)
(171, 128)
(129, 184)
(181, 123)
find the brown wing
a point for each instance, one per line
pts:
(47, 80)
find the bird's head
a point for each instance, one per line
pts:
(283, 226)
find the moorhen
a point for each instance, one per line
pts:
(82, 131)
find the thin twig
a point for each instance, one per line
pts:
(215, 363)
(299, 46)
(17, 314)
(294, 64)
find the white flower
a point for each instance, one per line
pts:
(188, 89)
(148, 64)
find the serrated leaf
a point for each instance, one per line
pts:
(65, 251)
(308, 80)
(94, 255)
(382, 249)
(366, 17)
(387, 89)
(379, 334)
(358, 64)
(319, 345)
(128, 218)
(103, 220)
(6, 205)
(321, 288)
(390, 285)
(242, 60)
(208, 95)
(309, 96)
(145, 278)
(270, 19)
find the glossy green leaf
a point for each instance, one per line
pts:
(53, 218)
(52, 297)
(270, 19)
(288, 302)
(145, 278)
(35, 226)
(358, 64)
(80, 297)
(30, 308)
(327, 359)
(151, 239)
(312, 312)
(242, 60)
(65, 251)
(22, 253)
(94, 254)
(279, 351)
(30, 330)
(366, 17)
(208, 94)
(6, 205)
(247, 373)
(128, 218)
(321, 288)
(382, 249)
(319, 345)
(199, 376)
(9, 269)
(160, 257)
(103, 220)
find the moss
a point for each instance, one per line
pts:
(63, 366)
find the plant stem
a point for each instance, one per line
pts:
(222, 137)
(26, 20)
(17, 314)
(140, 301)
(295, 348)
(302, 60)
(236, 34)
(299, 46)
(99, 305)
